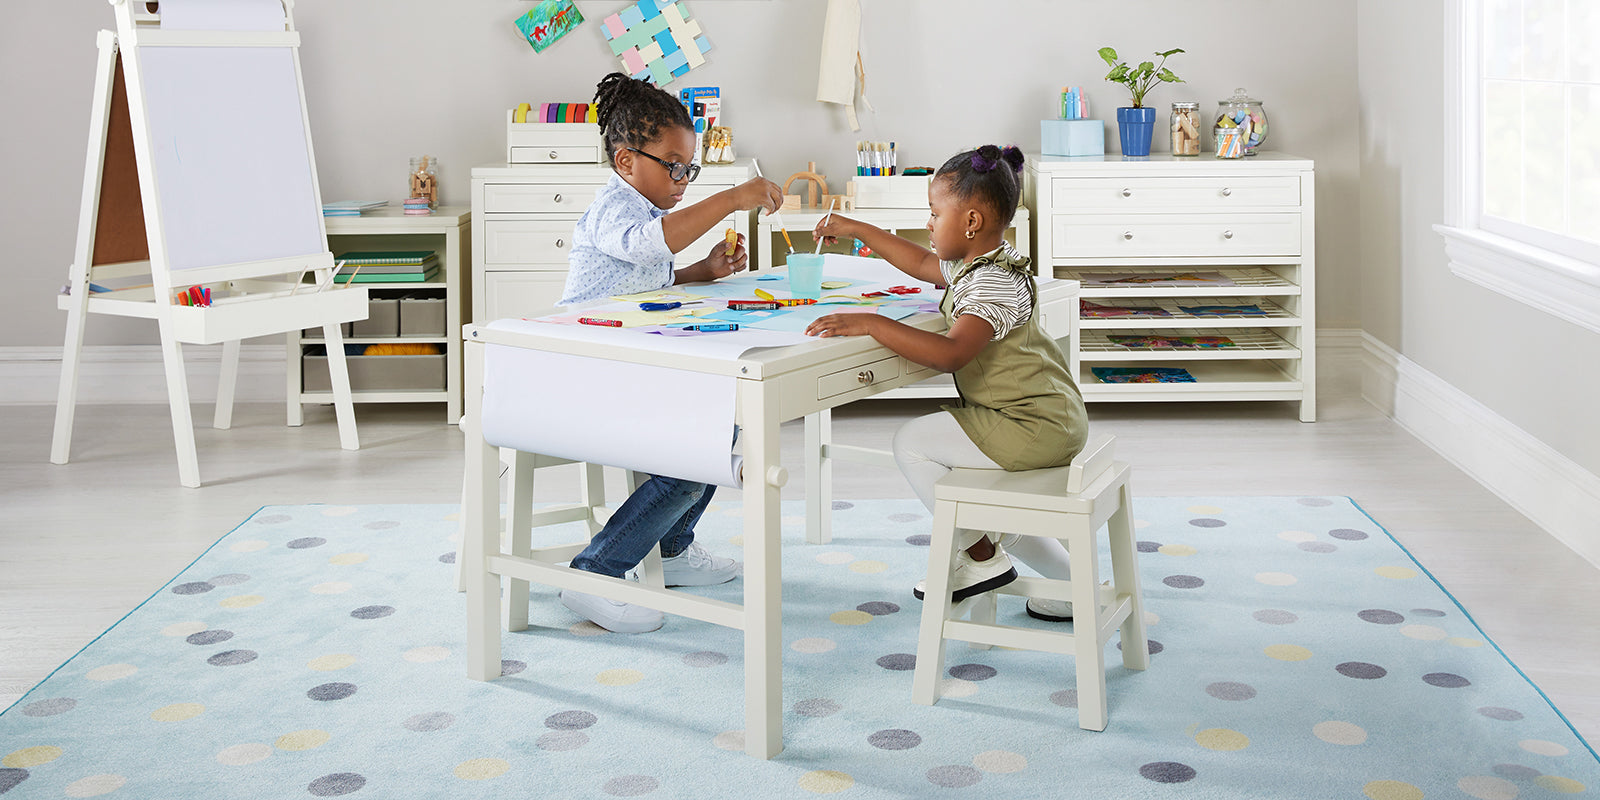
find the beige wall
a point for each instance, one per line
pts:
(388, 79)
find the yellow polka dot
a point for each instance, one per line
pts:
(94, 785)
(308, 739)
(1287, 652)
(1555, 783)
(248, 546)
(1391, 790)
(426, 655)
(1426, 633)
(1462, 641)
(1176, 550)
(826, 781)
(454, 516)
(111, 672)
(1399, 574)
(1151, 618)
(331, 662)
(177, 712)
(1000, 761)
(1276, 578)
(729, 740)
(866, 567)
(1542, 747)
(242, 601)
(619, 677)
(31, 756)
(1203, 510)
(736, 541)
(346, 559)
(1338, 732)
(479, 769)
(850, 617)
(183, 628)
(240, 754)
(1222, 739)
(331, 587)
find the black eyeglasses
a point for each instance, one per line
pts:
(675, 170)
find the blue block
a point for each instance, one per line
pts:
(675, 60)
(631, 16)
(668, 42)
(1072, 137)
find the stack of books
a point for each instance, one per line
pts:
(413, 266)
(417, 206)
(350, 208)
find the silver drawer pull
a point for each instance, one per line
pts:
(864, 377)
(1127, 235)
(1227, 234)
(554, 155)
(1226, 192)
(1127, 192)
(558, 198)
(561, 243)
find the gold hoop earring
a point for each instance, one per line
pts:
(969, 234)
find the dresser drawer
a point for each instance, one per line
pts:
(1177, 235)
(1205, 194)
(558, 154)
(521, 244)
(538, 198)
(837, 383)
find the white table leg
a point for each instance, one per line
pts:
(519, 529)
(763, 570)
(480, 526)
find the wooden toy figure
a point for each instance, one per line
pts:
(423, 183)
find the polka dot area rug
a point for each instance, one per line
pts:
(317, 651)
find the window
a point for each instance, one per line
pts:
(1524, 169)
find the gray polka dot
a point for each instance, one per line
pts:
(231, 579)
(1502, 714)
(511, 667)
(1229, 690)
(209, 637)
(331, 691)
(560, 741)
(1314, 501)
(448, 558)
(1065, 697)
(894, 739)
(1183, 581)
(381, 525)
(973, 672)
(706, 658)
(1516, 772)
(197, 587)
(1148, 547)
(228, 658)
(878, 608)
(10, 777)
(919, 539)
(336, 784)
(1318, 547)
(1150, 645)
(372, 612)
(1167, 772)
(1207, 522)
(1348, 534)
(1362, 670)
(431, 721)
(631, 785)
(905, 517)
(817, 707)
(1381, 616)
(898, 661)
(1445, 680)
(50, 707)
(306, 542)
(1427, 612)
(1275, 616)
(570, 720)
(273, 519)
(954, 776)
(843, 505)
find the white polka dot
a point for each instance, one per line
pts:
(95, 785)
(1297, 536)
(1426, 633)
(111, 672)
(834, 557)
(813, 644)
(331, 662)
(248, 546)
(183, 628)
(1151, 618)
(1485, 787)
(1141, 523)
(956, 687)
(331, 587)
(241, 754)
(999, 761)
(1275, 578)
(1338, 732)
(587, 628)
(1206, 510)
(426, 655)
(729, 740)
(868, 567)
(1542, 747)
(338, 511)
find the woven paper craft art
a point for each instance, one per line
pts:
(656, 40)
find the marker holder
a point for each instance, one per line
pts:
(1072, 137)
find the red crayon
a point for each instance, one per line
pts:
(609, 323)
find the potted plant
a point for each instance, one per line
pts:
(1136, 123)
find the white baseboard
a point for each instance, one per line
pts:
(133, 374)
(1547, 487)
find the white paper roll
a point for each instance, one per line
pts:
(222, 15)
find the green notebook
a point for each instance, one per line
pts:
(417, 257)
(388, 277)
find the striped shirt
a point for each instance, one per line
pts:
(618, 247)
(1002, 297)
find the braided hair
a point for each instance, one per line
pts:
(975, 175)
(632, 113)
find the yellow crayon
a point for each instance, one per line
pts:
(733, 241)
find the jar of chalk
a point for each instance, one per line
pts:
(1240, 118)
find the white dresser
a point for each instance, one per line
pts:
(522, 219)
(1199, 265)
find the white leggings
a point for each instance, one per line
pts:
(928, 447)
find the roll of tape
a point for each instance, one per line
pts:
(521, 114)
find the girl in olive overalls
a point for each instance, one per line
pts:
(1019, 407)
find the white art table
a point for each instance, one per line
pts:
(782, 378)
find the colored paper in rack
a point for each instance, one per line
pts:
(683, 426)
(222, 15)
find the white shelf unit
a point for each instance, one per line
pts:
(445, 232)
(522, 221)
(1250, 220)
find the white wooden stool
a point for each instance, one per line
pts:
(1068, 503)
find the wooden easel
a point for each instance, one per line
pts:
(165, 196)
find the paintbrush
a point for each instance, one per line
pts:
(781, 229)
(825, 222)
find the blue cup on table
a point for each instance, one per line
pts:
(805, 276)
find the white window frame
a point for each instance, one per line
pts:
(1566, 287)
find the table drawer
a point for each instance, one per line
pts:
(1123, 195)
(1141, 235)
(520, 244)
(837, 383)
(537, 198)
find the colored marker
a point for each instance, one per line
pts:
(795, 301)
(659, 306)
(609, 323)
(707, 327)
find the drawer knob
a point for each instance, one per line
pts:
(1227, 234)
(1127, 192)
(554, 155)
(561, 243)
(1127, 235)
(558, 198)
(1226, 192)
(864, 377)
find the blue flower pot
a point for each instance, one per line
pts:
(1136, 125)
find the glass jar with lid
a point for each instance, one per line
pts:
(1185, 123)
(1240, 118)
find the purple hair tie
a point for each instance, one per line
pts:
(980, 164)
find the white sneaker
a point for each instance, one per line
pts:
(1049, 610)
(970, 577)
(697, 567)
(612, 615)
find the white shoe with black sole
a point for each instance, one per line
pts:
(970, 576)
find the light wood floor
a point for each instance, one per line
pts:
(83, 543)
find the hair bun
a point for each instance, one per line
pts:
(985, 158)
(1013, 156)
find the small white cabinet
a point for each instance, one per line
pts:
(1200, 265)
(522, 221)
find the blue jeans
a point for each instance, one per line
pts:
(661, 510)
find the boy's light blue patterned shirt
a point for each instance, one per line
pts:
(618, 247)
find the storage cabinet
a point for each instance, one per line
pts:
(430, 312)
(1199, 265)
(522, 220)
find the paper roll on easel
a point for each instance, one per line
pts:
(222, 15)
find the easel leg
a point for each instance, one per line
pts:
(343, 404)
(222, 417)
(178, 399)
(67, 394)
(293, 379)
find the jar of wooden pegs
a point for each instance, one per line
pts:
(1185, 128)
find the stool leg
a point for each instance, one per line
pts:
(983, 613)
(1125, 574)
(1088, 648)
(935, 606)
(519, 527)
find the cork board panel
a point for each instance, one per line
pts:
(119, 234)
